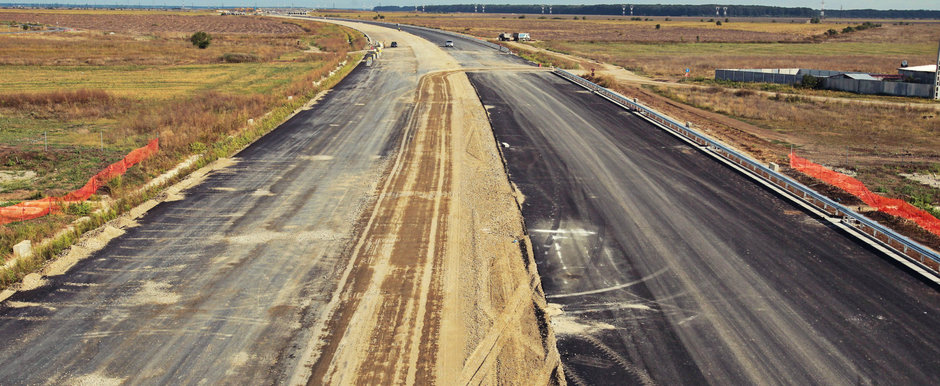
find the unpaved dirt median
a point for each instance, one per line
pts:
(441, 288)
(492, 294)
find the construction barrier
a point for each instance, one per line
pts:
(37, 208)
(855, 187)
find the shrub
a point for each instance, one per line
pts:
(657, 26)
(832, 32)
(201, 39)
(54, 98)
(80, 209)
(718, 22)
(238, 57)
(810, 81)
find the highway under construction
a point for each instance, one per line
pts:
(455, 215)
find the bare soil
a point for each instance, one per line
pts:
(441, 287)
(906, 227)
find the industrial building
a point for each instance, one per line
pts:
(917, 81)
(919, 74)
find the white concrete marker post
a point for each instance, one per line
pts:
(23, 249)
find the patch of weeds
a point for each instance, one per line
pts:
(198, 147)
(81, 209)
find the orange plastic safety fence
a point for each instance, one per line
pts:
(891, 206)
(37, 208)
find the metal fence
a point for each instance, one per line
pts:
(858, 86)
(916, 252)
(878, 87)
(757, 76)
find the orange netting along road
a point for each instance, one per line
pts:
(37, 208)
(891, 206)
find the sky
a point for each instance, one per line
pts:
(815, 4)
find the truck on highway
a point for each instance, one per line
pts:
(520, 37)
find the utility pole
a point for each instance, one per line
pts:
(822, 10)
(623, 10)
(716, 11)
(726, 11)
(936, 79)
(631, 10)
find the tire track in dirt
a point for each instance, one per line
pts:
(439, 285)
(392, 301)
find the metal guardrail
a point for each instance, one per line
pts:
(913, 250)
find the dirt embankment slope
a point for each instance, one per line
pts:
(440, 288)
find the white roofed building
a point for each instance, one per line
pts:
(920, 74)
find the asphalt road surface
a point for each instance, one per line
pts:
(223, 285)
(469, 52)
(670, 268)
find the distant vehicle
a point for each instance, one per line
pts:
(399, 26)
(505, 37)
(520, 37)
(449, 43)
(393, 45)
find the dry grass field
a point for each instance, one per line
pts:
(668, 62)
(879, 142)
(679, 43)
(73, 102)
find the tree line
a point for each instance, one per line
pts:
(674, 10)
